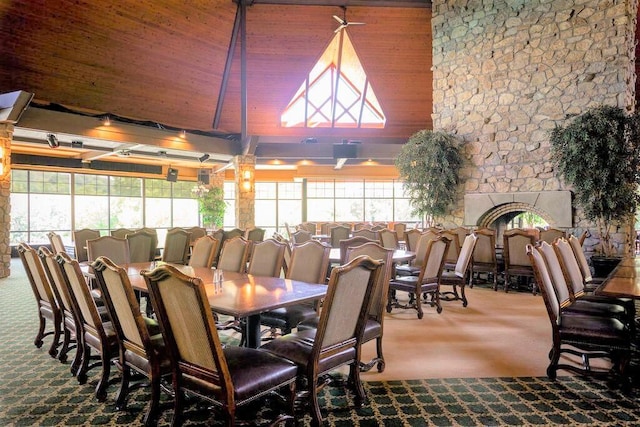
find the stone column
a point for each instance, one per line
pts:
(6, 134)
(245, 167)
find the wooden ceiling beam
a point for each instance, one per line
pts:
(348, 3)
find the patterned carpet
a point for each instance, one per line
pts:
(38, 390)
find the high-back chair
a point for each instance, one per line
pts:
(309, 263)
(388, 239)
(267, 258)
(141, 246)
(366, 232)
(230, 376)
(93, 334)
(400, 228)
(234, 255)
(427, 283)
(63, 300)
(203, 252)
(516, 261)
(484, 256)
(121, 233)
(337, 340)
(47, 306)
(176, 246)
(300, 236)
(234, 232)
(57, 245)
(462, 233)
(411, 239)
(80, 238)
(413, 268)
(352, 241)
(585, 336)
(337, 233)
(154, 244)
(549, 235)
(255, 234)
(309, 226)
(578, 252)
(458, 277)
(566, 264)
(196, 233)
(141, 346)
(451, 258)
(115, 248)
(219, 236)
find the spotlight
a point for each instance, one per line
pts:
(76, 144)
(52, 140)
(162, 153)
(106, 121)
(203, 158)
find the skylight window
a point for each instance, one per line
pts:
(336, 93)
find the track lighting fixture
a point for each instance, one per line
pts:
(203, 158)
(52, 140)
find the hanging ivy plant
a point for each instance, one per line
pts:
(429, 164)
(212, 206)
(598, 153)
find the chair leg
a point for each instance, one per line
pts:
(381, 363)
(151, 416)
(316, 415)
(55, 343)
(123, 392)
(38, 340)
(64, 349)
(77, 359)
(178, 402)
(354, 379)
(84, 364)
(553, 364)
(101, 388)
(463, 297)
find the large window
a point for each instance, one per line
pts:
(278, 203)
(57, 201)
(40, 203)
(362, 200)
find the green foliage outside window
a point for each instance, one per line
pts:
(211, 206)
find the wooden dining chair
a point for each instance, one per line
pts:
(400, 228)
(255, 234)
(389, 239)
(115, 248)
(425, 287)
(337, 340)
(374, 326)
(80, 238)
(203, 252)
(586, 336)
(230, 377)
(309, 263)
(267, 258)
(234, 255)
(516, 262)
(338, 233)
(413, 268)
(48, 309)
(300, 236)
(141, 346)
(484, 257)
(93, 334)
(141, 246)
(121, 233)
(63, 300)
(57, 245)
(411, 239)
(366, 232)
(459, 276)
(352, 241)
(549, 235)
(176, 246)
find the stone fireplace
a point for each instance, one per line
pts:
(504, 74)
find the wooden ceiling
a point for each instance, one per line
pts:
(164, 63)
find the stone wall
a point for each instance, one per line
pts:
(506, 72)
(6, 133)
(245, 190)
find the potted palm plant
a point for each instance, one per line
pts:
(429, 164)
(598, 153)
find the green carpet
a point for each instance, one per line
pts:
(36, 389)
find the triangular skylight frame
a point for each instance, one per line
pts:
(336, 93)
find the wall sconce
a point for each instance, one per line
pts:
(246, 180)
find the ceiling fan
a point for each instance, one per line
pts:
(343, 21)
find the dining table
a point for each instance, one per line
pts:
(243, 296)
(623, 281)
